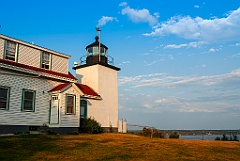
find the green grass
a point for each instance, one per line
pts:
(113, 147)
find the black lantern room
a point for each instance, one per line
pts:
(96, 53)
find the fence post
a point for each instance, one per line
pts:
(151, 132)
(122, 125)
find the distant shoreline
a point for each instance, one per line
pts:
(195, 132)
(203, 137)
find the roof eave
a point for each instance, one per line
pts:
(99, 63)
(36, 73)
(91, 97)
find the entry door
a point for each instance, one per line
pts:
(83, 109)
(54, 118)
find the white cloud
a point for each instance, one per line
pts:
(162, 58)
(139, 15)
(162, 100)
(235, 55)
(212, 50)
(147, 106)
(206, 104)
(158, 104)
(146, 54)
(201, 66)
(150, 63)
(186, 105)
(106, 19)
(170, 57)
(125, 80)
(160, 79)
(189, 45)
(124, 63)
(222, 96)
(128, 37)
(174, 46)
(209, 30)
(237, 44)
(123, 4)
(205, 107)
(196, 6)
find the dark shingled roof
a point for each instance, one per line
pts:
(96, 43)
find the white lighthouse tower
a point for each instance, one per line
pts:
(97, 71)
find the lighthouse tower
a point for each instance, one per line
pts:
(96, 70)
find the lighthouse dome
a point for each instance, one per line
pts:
(96, 52)
(96, 44)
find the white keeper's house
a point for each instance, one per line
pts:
(37, 90)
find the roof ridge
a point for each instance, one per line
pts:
(31, 44)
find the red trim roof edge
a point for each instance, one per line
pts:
(86, 90)
(69, 75)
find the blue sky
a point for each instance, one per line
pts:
(179, 60)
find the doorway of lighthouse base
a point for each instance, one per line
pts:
(83, 115)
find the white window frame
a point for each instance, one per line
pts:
(10, 51)
(73, 110)
(5, 100)
(25, 99)
(46, 63)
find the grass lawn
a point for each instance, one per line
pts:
(113, 147)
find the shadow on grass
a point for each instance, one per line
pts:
(23, 147)
(115, 157)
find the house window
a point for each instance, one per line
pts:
(28, 100)
(45, 60)
(70, 104)
(4, 97)
(11, 50)
(83, 109)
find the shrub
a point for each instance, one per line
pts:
(90, 126)
(218, 138)
(233, 137)
(175, 135)
(224, 138)
(158, 134)
(152, 132)
(111, 129)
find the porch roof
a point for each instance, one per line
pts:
(87, 91)
(60, 87)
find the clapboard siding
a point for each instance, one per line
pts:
(14, 115)
(29, 56)
(1, 48)
(32, 57)
(59, 64)
(69, 120)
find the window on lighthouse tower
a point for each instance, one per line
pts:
(94, 51)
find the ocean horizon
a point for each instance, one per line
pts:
(203, 137)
